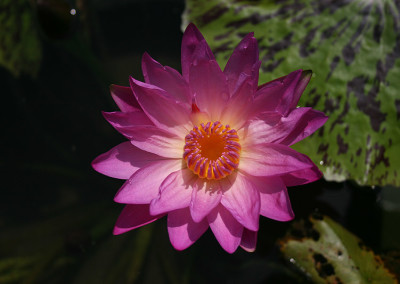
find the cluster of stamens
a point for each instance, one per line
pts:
(212, 150)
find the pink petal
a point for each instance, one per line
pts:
(163, 111)
(123, 161)
(165, 78)
(249, 240)
(132, 217)
(194, 47)
(124, 98)
(260, 130)
(204, 199)
(209, 86)
(301, 86)
(275, 202)
(301, 123)
(268, 159)
(155, 140)
(182, 230)
(144, 184)
(271, 127)
(242, 60)
(175, 192)
(283, 94)
(237, 110)
(302, 176)
(226, 229)
(123, 120)
(242, 200)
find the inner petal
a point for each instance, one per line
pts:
(212, 150)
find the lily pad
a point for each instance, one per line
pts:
(328, 253)
(353, 48)
(20, 47)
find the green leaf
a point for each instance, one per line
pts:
(353, 48)
(20, 48)
(328, 253)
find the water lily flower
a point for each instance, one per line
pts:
(209, 148)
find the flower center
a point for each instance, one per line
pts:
(212, 150)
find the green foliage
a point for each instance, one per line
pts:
(353, 48)
(328, 253)
(20, 48)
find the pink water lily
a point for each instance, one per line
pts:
(209, 148)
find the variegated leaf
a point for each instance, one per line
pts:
(328, 253)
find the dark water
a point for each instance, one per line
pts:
(57, 214)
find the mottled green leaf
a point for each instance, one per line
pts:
(328, 253)
(353, 48)
(20, 48)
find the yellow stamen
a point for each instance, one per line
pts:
(212, 151)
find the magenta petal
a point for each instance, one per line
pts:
(275, 202)
(204, 199)
(121, 121)
(226, 229)
(144, 184)
(237, 110)
(263, 129)
(301, 123)
(155, 140)
(132, 217)
(249, 240)
(274, 128)
(267, 159)
(282, 94)
(124, 98)
(242, 200)
(123, 161)
(162, 110)
(242, 60)
(302, 176)
(193, 42)
(300, 87)
(209, 86)
(182, 230)
(175, 192)
(165, 78)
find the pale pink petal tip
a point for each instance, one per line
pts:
(182, 230)
(275, 202)
(226, 229)
(122, 161)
